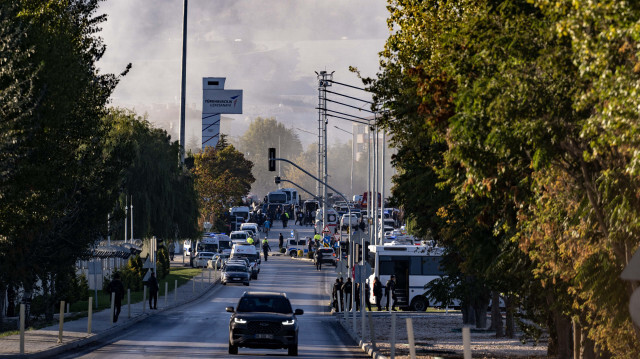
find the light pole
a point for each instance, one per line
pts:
(183, 82)
(352, 142)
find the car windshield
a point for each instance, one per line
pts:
(326, 250)
(265, 304)
(236, 269)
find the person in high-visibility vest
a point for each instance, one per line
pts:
(250, 240)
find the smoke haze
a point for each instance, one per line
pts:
(268, 48)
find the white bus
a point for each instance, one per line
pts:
(414, 267)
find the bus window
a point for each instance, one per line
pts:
(431, 266)
(416, 265)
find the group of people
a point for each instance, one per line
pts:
(342, 291)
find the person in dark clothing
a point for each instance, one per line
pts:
(337, 287)
(390, 292)
(285, 219)
(299, 217)
(265, 248)
(377, 292)
(280, 240)
(318, 259)
(367, 296)
(117, 289)
(153, 291)
(361, 225)
(347, 289)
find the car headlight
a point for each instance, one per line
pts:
(239, 321)
(289, 322)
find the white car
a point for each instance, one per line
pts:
(221, 258)
(202, 259)
(345, 221)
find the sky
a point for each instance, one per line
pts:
(268, 48)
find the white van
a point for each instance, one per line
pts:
(253, 227)
(246, 250)
(237, 235)
(242, 211)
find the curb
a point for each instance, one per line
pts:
(366, 347)
(106, 333)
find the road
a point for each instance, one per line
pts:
(201, 329)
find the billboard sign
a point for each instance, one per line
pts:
(221, 101)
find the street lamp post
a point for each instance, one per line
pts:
(352, 142)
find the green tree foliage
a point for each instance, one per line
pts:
(518, 122)
(262, 134)
(58, 179)
(223, 177)
(162, 191)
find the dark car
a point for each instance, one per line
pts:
(235, 273)
(263, 320)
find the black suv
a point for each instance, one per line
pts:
(263, 320)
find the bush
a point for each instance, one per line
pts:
(160, 271)
(165, 262)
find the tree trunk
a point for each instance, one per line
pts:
(480, 308)
(468, 314)
(510, 322)
(3, 295)
(577, 336)
(587, 347)
(563, 331)
(496, 316)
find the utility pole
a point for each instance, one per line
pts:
(324, 81)
(184, 83)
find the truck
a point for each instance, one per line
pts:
(211, 242)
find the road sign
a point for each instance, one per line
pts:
(336, 237)
(147, 264)
(326, 229)
(147, 276)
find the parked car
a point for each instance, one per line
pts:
(202, 259)
(235, 273)
(263, 320)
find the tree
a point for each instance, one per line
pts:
(60, 182)
(223, 177)
(529, 134)
(160, 189)
(262, 134)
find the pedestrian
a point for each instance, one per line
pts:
(318, 260)
(337, 286)
(377, 292)
(250, 240)
(117, 289)
(267, 225)
(280, 240)
(361, 225)
(285, 219)
(279, 213)
(347, 289)
(265, 248)
(153, 291)
(390, 292)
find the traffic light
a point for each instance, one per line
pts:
(272, 159)
(277, 178)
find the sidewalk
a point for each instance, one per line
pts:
(43, 342)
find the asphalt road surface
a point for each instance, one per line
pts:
(201, 329)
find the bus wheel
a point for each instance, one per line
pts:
(419, 304)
